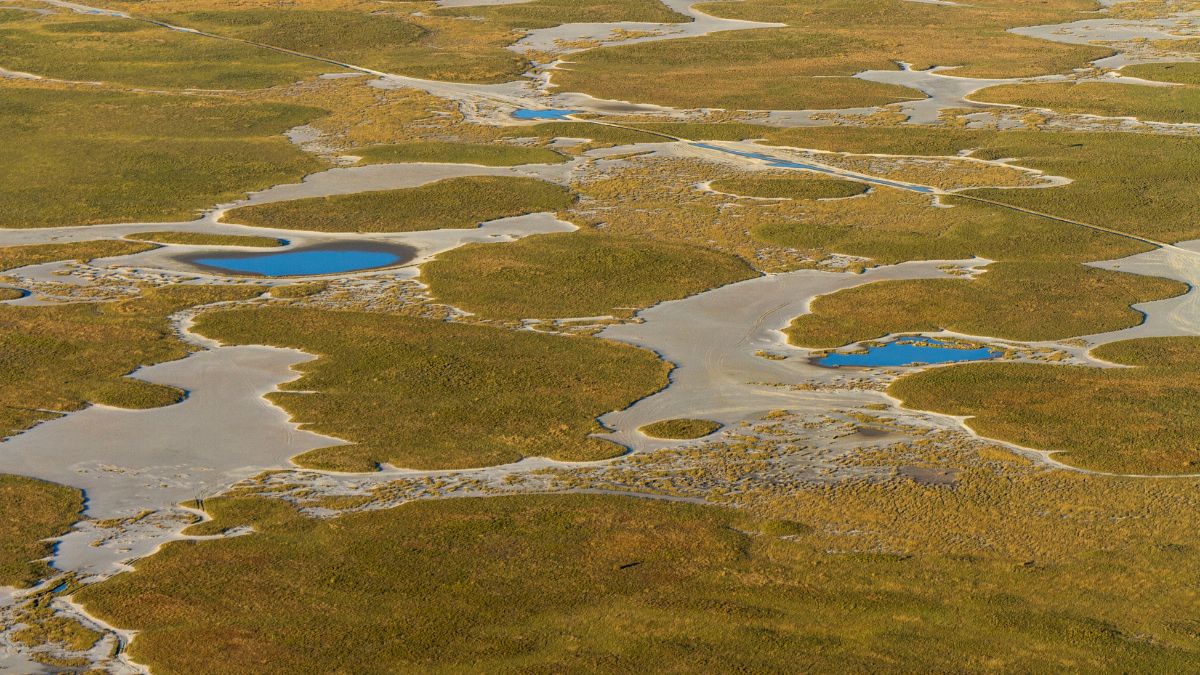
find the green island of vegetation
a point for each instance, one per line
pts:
(681, 429)
(451, 203)
(485, 154)
(35, 254)
(428, 394)
(31, 512)
(1136, 420)
(203, 239)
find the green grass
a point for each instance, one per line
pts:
(64, 357)
(1145, 184)
(1180, 73)
(1018, 301)
(1109, 99)
(575, 274)
(12, 257)
(548, 13)
(80, 157)
(681, 429)
(1142, 419)
(429, 394)
(452, 203)
(808, 63)
(458, 153)
(890, 226)
(800, 187)
(124, 52)
(203, 239)
(603, 584)
(32, 511)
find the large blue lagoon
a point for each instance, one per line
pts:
(907, 352)
(312, 260)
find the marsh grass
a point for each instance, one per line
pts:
(12, 257)
(62, 357)
(808, 64)
(681, 429)
(124, 52)
(575, 274)
(204, 239)
(594, 583)
(80, 157)
(1141, 419)
(790, 188)
(32, 511)
(493, 154)
(429, 394)
(451, 203)
(1110, 99)
(1015, 300)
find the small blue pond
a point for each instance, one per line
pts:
(328, 259)
(908, 351)
(788, 164)
(531, 114)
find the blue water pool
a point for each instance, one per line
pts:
(531, 114)
(327, 259)
(908, 351)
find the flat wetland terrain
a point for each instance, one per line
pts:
(599, 336)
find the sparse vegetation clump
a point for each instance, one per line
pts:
(31, 512)
(681, 429)
(451, 203)
(12, 257)
(575, 274)
(429, 394)
(60, 358)
(203, 239)
(486, 154)
(1140, 419)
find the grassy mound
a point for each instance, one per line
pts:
(452, 203)
(681, 429)
(79, 157)
(32, 511)
(575, 274)
(12, 257)
(458, 153)
(63, 357)
(790, 188)
(1126, 420)
(428, 394)
(202, 239)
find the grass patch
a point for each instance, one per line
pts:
(204, 239)
(1110, 99)
(1142, 419)
(79, 157)
(575, 274)
(1018, 301)
(32, 511)
(1179, 73)
(681, 429)
(453, 203)
(63, 357)
(551, 582)
(1145, 184)
(119, 51)
(808, 64)
(434, 395)
(12, 257)
(458, 153)
(302, 290)
(790, 188)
